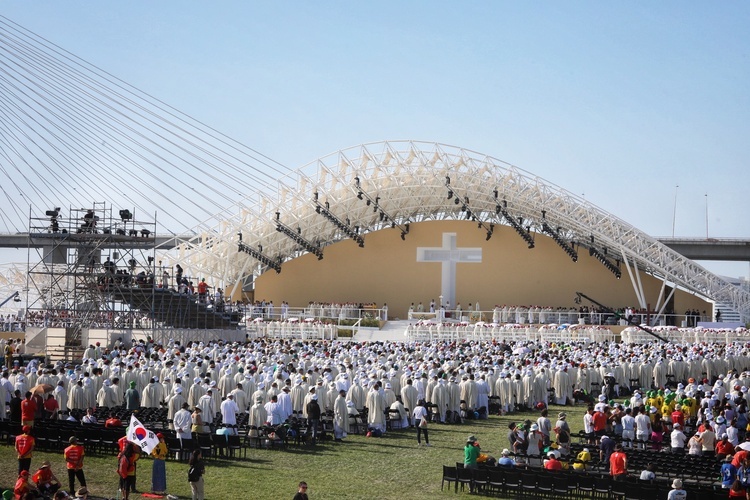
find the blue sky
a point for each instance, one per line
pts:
(617, 101)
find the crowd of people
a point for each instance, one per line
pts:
(275, 380)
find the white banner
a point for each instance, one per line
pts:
(141, 436)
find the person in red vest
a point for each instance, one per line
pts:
(28, 410)
(25, 443)
(74, 461)
(22, 486)
(122, 442)
(45, 480)
(51, 407)
(618, 464)
(113, 422)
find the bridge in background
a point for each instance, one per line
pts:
(719, 249)
(22, 240)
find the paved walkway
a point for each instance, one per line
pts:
(392, 330)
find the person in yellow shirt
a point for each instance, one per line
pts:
(582, 459)
(159, 470)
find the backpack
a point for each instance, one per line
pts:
(193, 474)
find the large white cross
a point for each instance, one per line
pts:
(449, 256)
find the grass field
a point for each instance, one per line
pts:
(391, 467)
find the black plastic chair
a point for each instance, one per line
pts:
(511, 481)
(496, 478)
(480, 480)
(544, 484)
(449, 476)
(464, 477)
(234, 445)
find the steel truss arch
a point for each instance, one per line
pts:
(409, 178)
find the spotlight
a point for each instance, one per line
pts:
(53, 213)
(239, 235)
(133, 232)
(359, 195)
(450, 195)
(145, 233)
(125, 215)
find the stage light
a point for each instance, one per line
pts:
(125, 215)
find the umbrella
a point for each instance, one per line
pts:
(42, 389)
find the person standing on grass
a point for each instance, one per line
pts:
(471, 452)
(25, 443)
(340, 417)
(126, 463)
(301, 492)
(420, 421)
(74, 461)
(195, 474)
(159, 470)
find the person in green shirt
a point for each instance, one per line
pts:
(471, 452)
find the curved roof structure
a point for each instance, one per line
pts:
(362, 189)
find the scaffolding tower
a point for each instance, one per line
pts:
(79, 264)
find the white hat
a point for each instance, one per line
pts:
(534, 427)
(677, 484)
(505, 452)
